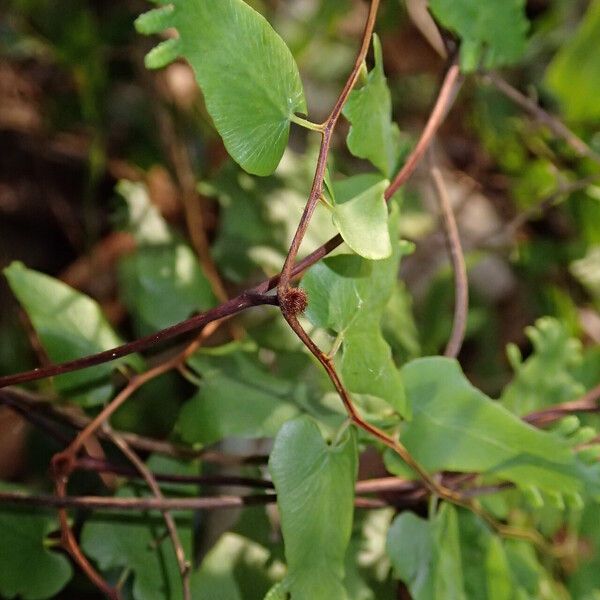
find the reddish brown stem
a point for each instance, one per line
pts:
(448, 92)
(328, 129)
(461, 285)
(254, 296)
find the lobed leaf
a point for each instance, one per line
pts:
(493, 33)
(474, 433)
(315, 495)
(426, 554)
(249, 79)
(546, 377)
(373, 135)
(348, 295)
(28, 569)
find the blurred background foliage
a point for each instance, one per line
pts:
(79, 113)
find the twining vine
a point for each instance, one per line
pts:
(277, 291)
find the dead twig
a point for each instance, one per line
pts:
(461, 284)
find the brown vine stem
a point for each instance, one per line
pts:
(357, 419)
(461, 284)
(71, 545)
(556, 126)
(449, 90)
(144, 504)
(63, 464)
(328, 128)
(41, 413)
(256, 296)
(103, 466)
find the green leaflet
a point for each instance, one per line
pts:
(237, 397)
(348, 295)
(161, 282)
(372, 134)
(426, 555)
(493, 33)
(455, 555)
(28, 570)
(546, 377)
(573, 74)
(247, 74)
(315, 494)
(474, 433)
(361, 215)
(70, 325)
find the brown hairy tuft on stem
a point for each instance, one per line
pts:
(293, 301)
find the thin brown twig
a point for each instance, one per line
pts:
(63, 464)
(71, 545)
(451, 85)
(144, 471)
(195, 324)
(42, 413)
(88, 463)
(589, 402)
(151, 503)
(328, 128)
(256, 296)
(461, 284)
(556, 126)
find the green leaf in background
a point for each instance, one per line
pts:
(348, 295)
(426, 555)
(163, 285)
(139, 543)
(474, 433)
(247, 74)
(161, 282)
(237, 397)
(315, 494)
(584, 582)
(493, 33)
(144, 220)
(399, 326)
(239, 564)
(496, 569)
(546, 377)
(372, 134)
(587, 271)
(573, 75)
(28, 570)
(362, 217)
(70, 325)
